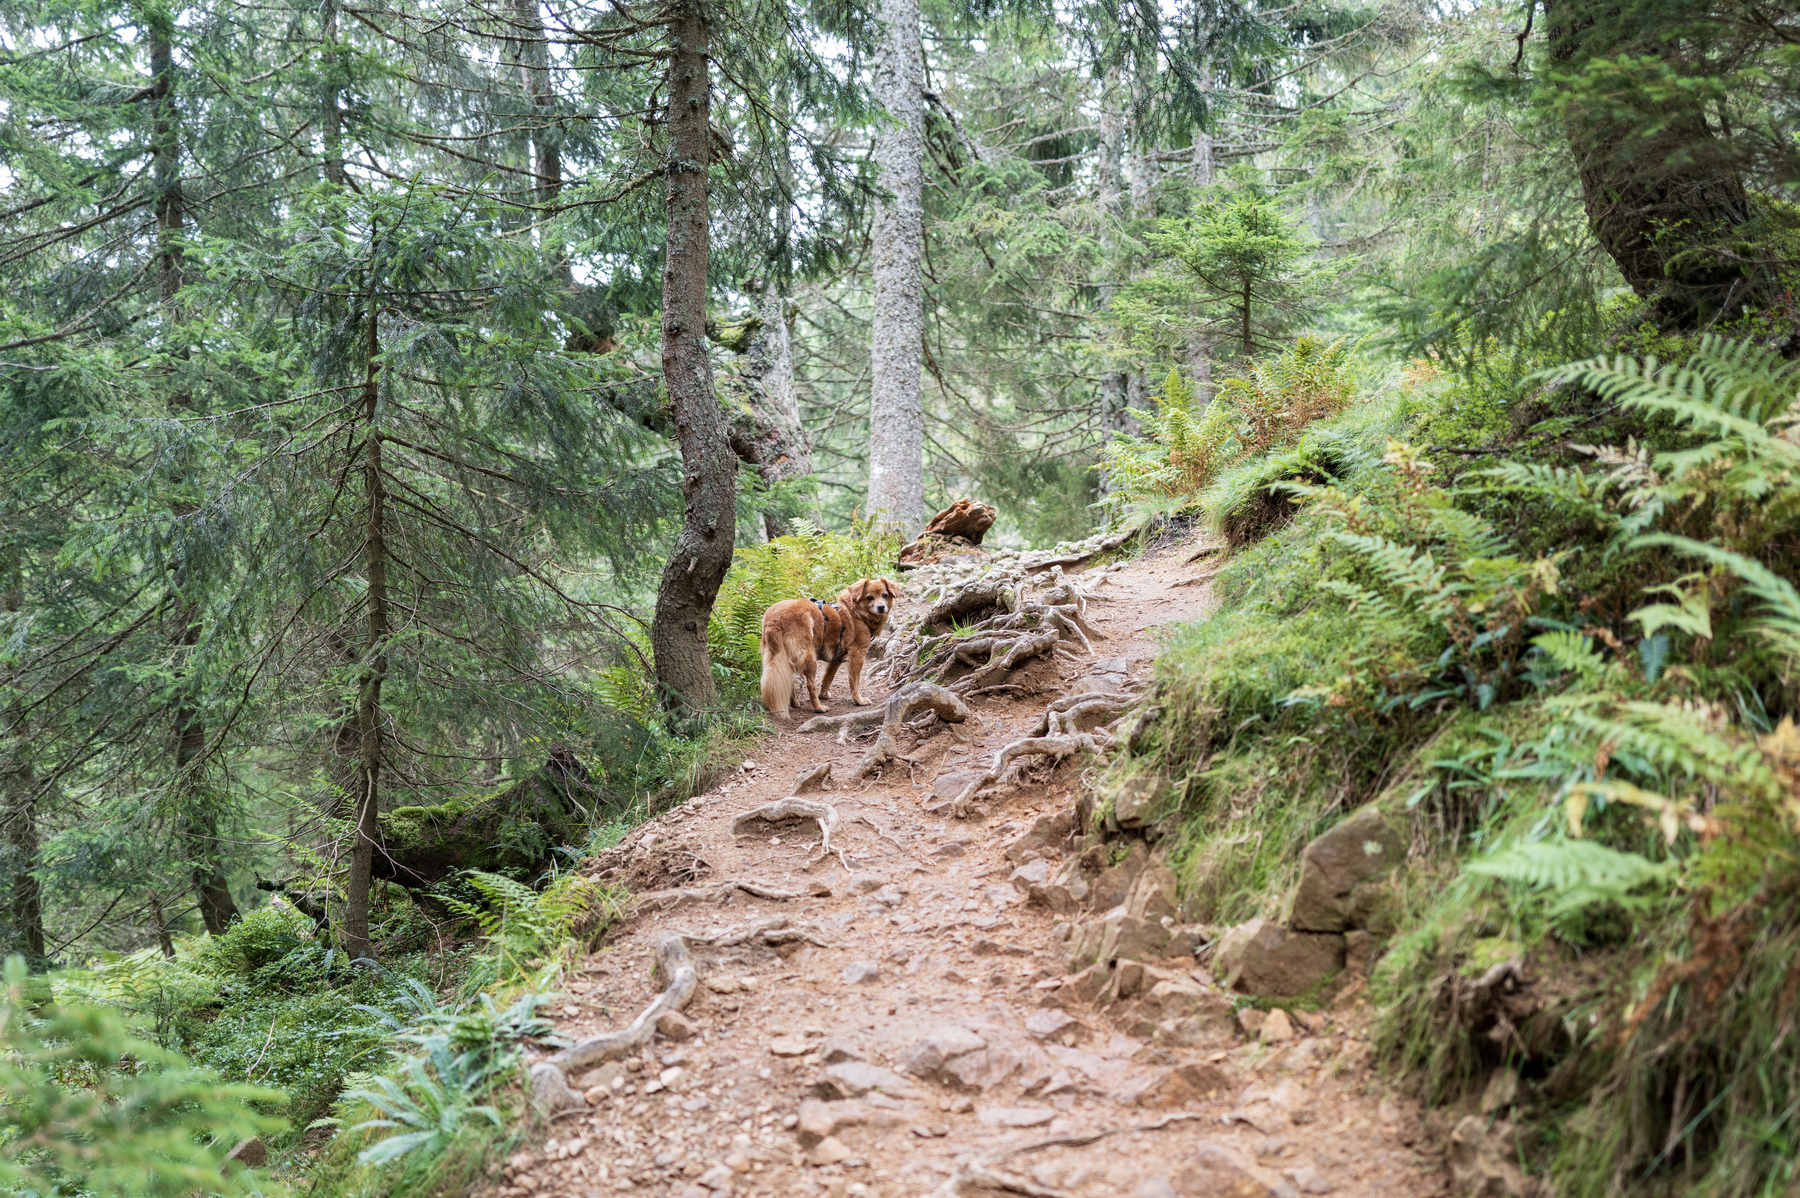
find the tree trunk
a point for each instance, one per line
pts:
(1200, 353)
(765, 429)
(18, 808)
(200, 826)
(161, 923)
(200, 823)
(1662, 197)
(546, 134)
(897, 324)
(165, 173)
(332, 111)
(1114, 402)
(690, 582)
(368, 705)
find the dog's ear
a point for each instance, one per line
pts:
(894, 591)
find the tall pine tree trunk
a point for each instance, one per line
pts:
(18, 825)
(368, 697)
(1109, 201)
(1200, 352)
(331, 115)
(546, 135)
(199, 821)
(690, 582)
(897, 325)
(1662, 195)
(765, 429)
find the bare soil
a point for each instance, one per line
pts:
(925, 934)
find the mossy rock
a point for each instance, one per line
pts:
(513, 831)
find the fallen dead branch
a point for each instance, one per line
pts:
(815, 778)
(900, 707)
(791, 808)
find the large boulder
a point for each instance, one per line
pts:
(1263, 958)
(1342, 873)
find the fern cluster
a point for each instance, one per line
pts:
(1264, 406)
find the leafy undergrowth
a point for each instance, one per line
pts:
(1564, 649)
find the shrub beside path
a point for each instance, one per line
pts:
(895, 1014)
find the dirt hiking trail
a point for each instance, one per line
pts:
(910, 1023)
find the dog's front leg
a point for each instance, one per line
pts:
(831, 669)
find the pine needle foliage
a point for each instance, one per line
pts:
(90, 1108)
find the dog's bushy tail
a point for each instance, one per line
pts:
(777, 678)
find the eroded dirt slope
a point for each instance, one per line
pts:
(932, 1037)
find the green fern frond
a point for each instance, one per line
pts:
(1780, 615)
(1580, 873)
(1572, 651)
(1675, 739)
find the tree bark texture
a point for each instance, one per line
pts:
(331, 106)
(764, 412)
(546, 134)
(696, 568)
(1111, 191)
(1661, 194)
(200, 824)
(18, 808)
(165, 173)
(368, 705)
(897, 324)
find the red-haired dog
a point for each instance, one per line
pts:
(798, 633)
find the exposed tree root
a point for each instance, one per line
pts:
(1065, 714)
(849, 722)
(1017, 631)
(549, 1078)
(1057, 735)
(981, 1172)
(815, 778)
(790, 808)
(772, 931)
(900, 707)
(720, 891)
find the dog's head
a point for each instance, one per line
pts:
(871, 599)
